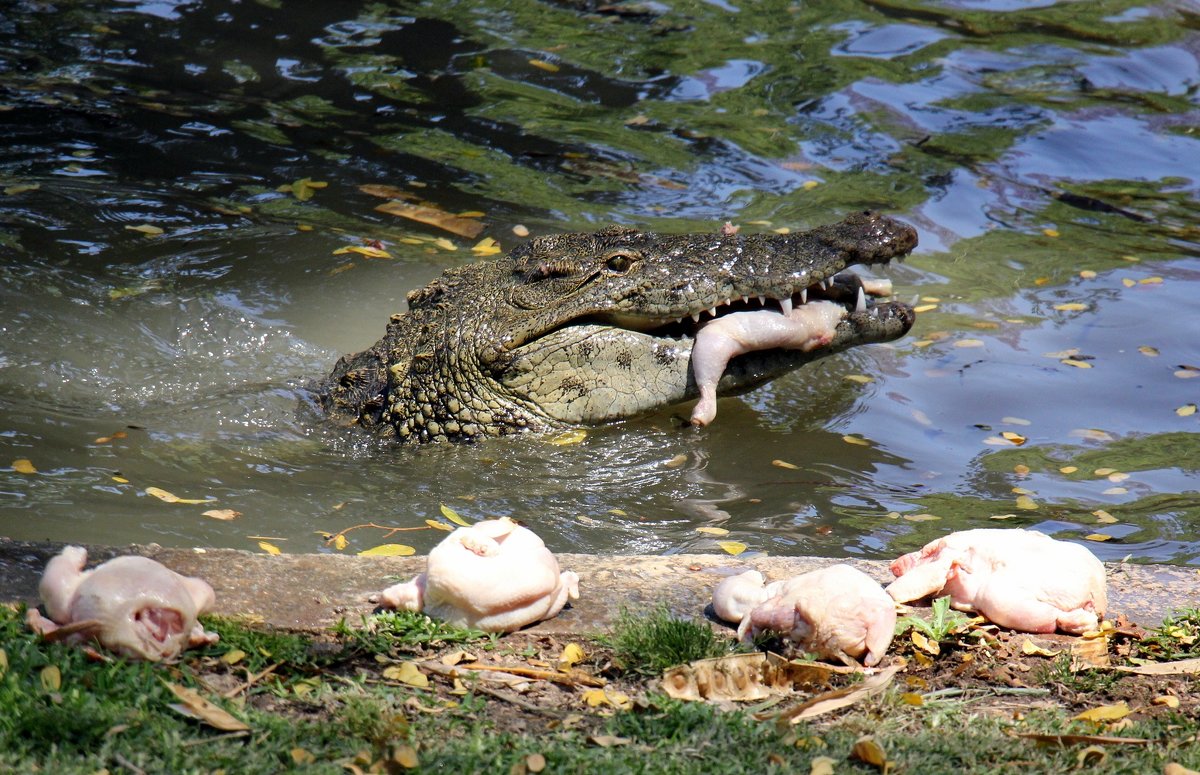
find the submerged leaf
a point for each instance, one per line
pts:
(170, 497)
(463, 227)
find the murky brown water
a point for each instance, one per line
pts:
(1048, 155)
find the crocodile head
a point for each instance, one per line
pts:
(587, 328)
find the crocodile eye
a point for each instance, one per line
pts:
(619, 262)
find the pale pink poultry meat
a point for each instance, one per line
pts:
(805, 328)
(836, 612)
(1020, 579)
(495, 576)
(132, 605)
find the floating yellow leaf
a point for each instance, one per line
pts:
(784, 464)
(1117, 476)
(856, 440)
(1104, 713)
(303, 189)
(1098, 537)
(566, 438)
(1068, 469)
(453, 516)
(809, 185)
(408, 673)
(1128, 283)
(924, 308)
(861, 379)
(223, 514)
(433, 523)
(23, 466)
(1071, 306)
(1150, 281)
(486, 247)
(1187, 410)
(51, 678)
(572, 654)
(921, 517)
(445, 244)
(269, 547)
(520, 230)
(1091, 434)
(363, 250)
(715, 531)
(542, 64)
(1076, 363)
(1050, 232)
(1020, 469)
(1148, 350)
(1015, 438)
(170, 497)
(969, 343)
(340, 542)
(1104, 471)
(1026, 503)
(1087, 274)
(1103, 517)
(1188, 372)
(388, 550)
(145, 228)
(732, 547)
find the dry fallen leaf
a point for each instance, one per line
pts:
(223, 514)
(407, 673)
(868, 751)
(1104, 713)
(193, 705)
(572, 654)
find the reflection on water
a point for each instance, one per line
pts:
(179, 183)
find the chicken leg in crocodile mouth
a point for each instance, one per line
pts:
(805, 327)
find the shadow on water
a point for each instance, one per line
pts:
(180, 182)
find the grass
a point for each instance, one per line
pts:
(651, 641)
(323, 708)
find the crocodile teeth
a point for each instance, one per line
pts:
(695, 317)
(786, 305)
(712, 311)
(860, 303)
(804, 296)
(762, 300)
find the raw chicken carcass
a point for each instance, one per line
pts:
(836, 612)
(131, 605)
(494, 575)
(1016, 578)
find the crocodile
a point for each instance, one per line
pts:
(586, 328)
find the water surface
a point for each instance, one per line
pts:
(170, 283)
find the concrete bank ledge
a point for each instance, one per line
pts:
(311, 592)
